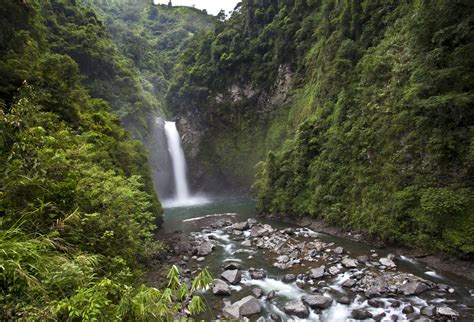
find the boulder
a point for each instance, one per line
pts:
(271, 295)
(317, 272)
(296, 308)
(413, 288)
(205, 248)
(428, 310)
(231, 266)
(231, 312)
(379, 316)
(361, 314)
(257, 292)
(289, 278)
(349, 283)
(241, 226)
(317, 301)
(220, 288)
(375, 303)
(448, 312)
(258, 275)
(339, 250)
(349, 263)
(232, 276)
(249, 305)
(363, 259)
(408, 309)
(334, 270)
(344, 300)
(385, 261)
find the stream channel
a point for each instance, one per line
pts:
(279, 263)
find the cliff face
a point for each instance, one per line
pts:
(366, 105)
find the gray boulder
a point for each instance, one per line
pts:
(317, 301)
(317, 272)
(349, 263)
(241, 226)
(205, 248)
(413, 288)
(249, 305)
(220, 288)
(387, 262)
(361, 314)
(448, 312)
(289, 278)
(232, 276)
(296, 308)
(339, 250)
(428, 310)
(258, 275)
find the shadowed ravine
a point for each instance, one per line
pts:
(280, 257)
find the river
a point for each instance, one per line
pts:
(447, 290)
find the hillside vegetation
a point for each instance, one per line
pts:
(376, 129)
(77, 206)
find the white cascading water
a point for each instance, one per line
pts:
(182, 195)
(178, 161)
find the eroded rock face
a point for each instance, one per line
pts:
(296, 308)
(232, 276)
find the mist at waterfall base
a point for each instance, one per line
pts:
(182, 196)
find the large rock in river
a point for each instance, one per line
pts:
(220, 288)
(241, 226)
(232, 276)
(205, 248)
(317, 272)
(249, 305)
(296, 308)
(317, 301)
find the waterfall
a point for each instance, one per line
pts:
(178, 161)
(182, 195)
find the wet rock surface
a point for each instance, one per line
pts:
(300, 275)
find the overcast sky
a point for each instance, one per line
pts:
(212, 6)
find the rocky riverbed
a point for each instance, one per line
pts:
(268, 273)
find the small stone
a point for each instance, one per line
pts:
(339, 250)
(200, 259)
(271, 295)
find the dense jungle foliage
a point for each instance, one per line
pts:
(77, 206)
(152, 37)
(378, 120)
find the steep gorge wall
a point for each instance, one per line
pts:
(377, 132)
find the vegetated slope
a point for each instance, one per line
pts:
(379, 116)
(77, 207)
(152, 37)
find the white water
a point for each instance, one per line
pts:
(182, 196)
